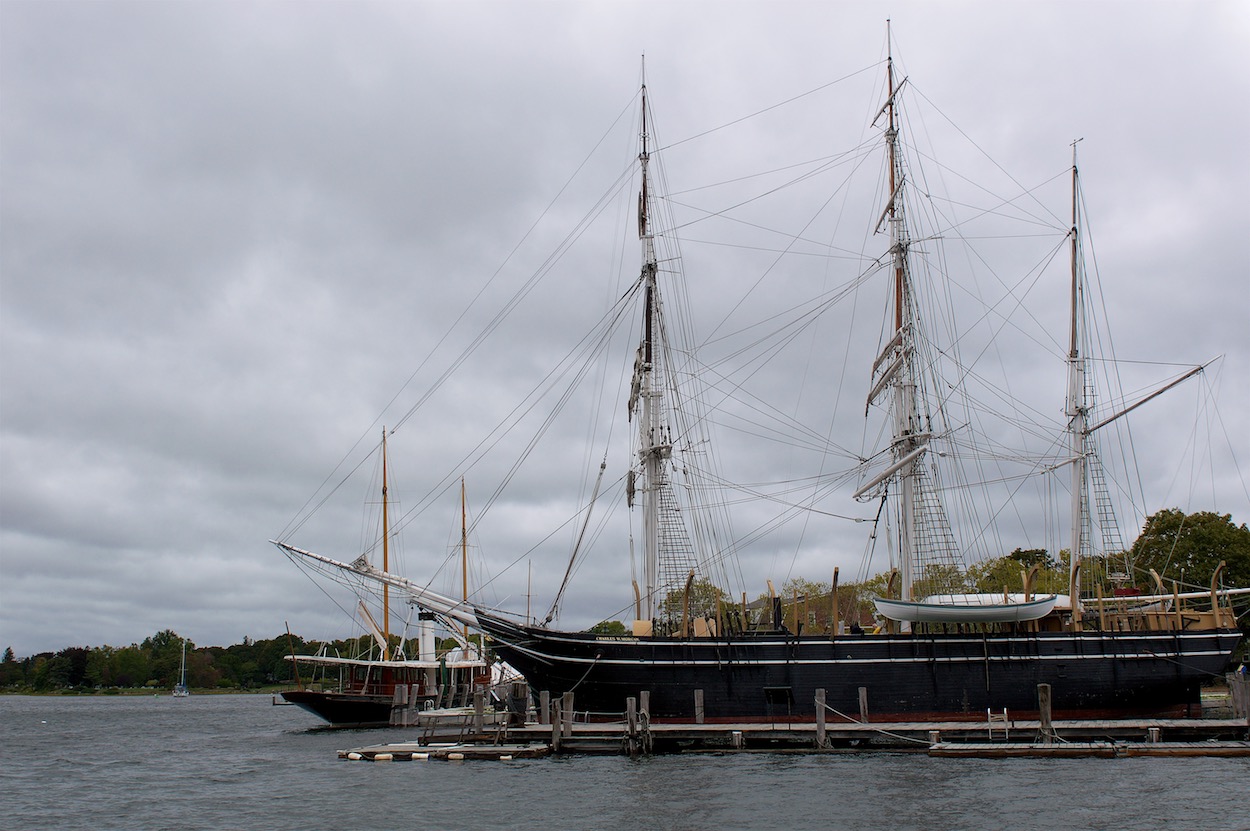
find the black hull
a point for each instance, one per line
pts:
(344, 709)
(775, 676)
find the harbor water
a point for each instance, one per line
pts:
(236, 761)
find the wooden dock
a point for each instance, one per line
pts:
(616, 737)
(1077, 750)
(1013, 738)
(559, 728)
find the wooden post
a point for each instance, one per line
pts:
(479, 710)
(566, 714)
(1043, 714)
(631, 725)
(863, 704)
(554, 719)
(398, 705)
(698, 706)
(833, 601)
(821, 741)
(644, 703)
(544, 707)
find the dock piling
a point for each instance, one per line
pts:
(821, 739)
(1045, 727)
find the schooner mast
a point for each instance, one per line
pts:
(653, 447)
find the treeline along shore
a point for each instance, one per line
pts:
(153, 665)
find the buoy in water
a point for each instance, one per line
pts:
(455, 757)
(383, 757)
(420, 757)
(354, 756)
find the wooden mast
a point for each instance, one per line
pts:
(464, 553)
(651, 447)
(1077, 409)
(386, 564)
(905, 443)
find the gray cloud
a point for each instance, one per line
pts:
(230, 233)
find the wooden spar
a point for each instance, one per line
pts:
(386, 564)
(299, 685)
(833, 602)
(1215, 597)
(685, 606)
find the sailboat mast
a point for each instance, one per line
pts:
(1078, 410)
(386, 564)
(649, 445)
(464, 553)
(904, 385)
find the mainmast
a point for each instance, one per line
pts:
(905, 441)
(652, 450)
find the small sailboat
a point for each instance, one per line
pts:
(180, 689)
(360, 690)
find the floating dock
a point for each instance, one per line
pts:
(560, 730)
(417, 752)
(998, 739)
(1078, 750)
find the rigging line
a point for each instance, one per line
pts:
(981, 211)
(589, 345)
(794, 239)
(547, 209)
(514, 302)
(296, 522)
(822, 162)
(779, 104)
(303, 515)
(988, 157)
(829, 163)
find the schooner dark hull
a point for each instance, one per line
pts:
(775, 676)
(344, 709)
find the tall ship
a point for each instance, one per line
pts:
(936, 649)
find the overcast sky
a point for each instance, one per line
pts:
(231, 233)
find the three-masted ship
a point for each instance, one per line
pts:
(939, 653)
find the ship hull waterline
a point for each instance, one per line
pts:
(774, 676)
(345, 709)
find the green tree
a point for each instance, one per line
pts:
(608, 627)
(1175, 543)
(131, 666)
(998, 573)
(704, 597)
